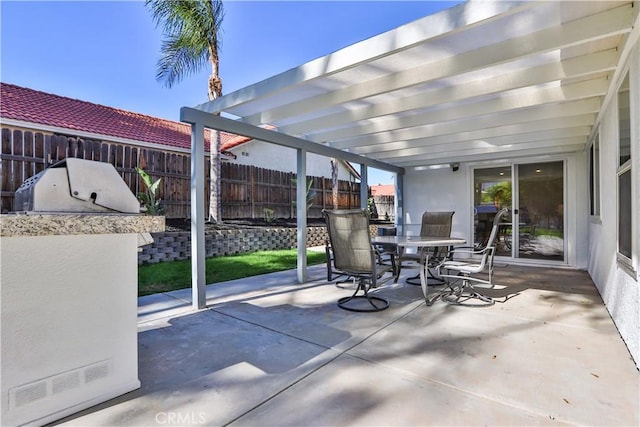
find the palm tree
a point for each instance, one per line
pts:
(192, 31)
(334, 182)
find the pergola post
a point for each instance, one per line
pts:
(364, 187)
(301, 214)
(399, 204)
(200, 119)
(198, 285)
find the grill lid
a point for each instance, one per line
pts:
(76, 185)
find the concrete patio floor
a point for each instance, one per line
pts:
(270, 352)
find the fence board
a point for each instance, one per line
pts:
(6, 172)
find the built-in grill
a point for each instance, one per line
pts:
(69, 292)
(77, 186)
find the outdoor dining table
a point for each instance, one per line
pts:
(403, 242)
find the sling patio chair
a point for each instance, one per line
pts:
(434, 224)
(353, 255)
(462, 274)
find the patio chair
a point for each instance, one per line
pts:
(353, 255)
(462, 274)
(435, 224)
(333, 274)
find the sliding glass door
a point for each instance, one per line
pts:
(534, 193)
(492, 192)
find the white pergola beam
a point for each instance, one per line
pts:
(605, 24)
(383, 45)
(385, 140)
(523, 98)
(507, 141)
(212, 121)
(536, 148)
(576, 67)
(392, 149)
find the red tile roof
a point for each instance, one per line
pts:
(28, 105)
(383, 190)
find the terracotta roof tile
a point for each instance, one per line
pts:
(33, 106)
(383, 190)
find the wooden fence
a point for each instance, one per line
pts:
(247, 191)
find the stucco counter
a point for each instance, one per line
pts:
(68, 300)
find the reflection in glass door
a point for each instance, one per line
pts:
(541, 211)
(534, 193)
(492, 192)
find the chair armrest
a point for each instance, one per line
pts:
(467, 250)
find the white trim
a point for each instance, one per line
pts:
(596, 172)
(625, 263)
(634, 37)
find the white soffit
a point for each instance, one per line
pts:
(482, 80)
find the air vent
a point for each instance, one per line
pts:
(58, 384)
(29, 393)
(65, 382)
(96, 372)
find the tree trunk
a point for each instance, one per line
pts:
(334, 183)
(215, 188)
(215, 202)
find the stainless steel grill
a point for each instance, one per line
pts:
(76, 185)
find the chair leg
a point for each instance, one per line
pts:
(383, 304)
(431, 280)
(466, 294)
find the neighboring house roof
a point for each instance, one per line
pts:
(383, 190)
(32, 106)
(41, 108)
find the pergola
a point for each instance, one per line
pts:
(483, 80)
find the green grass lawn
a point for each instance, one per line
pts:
(169, 276)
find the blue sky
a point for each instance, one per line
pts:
(106, 51)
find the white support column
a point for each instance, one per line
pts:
(198, 285)
(399, 204)
(364, 187)
(301, 214)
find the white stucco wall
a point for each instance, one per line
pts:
(619, 289)
(446, 190)
(577, 209)
(276, 157)
(69, 324)
(438, 190)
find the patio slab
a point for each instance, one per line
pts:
(268, 351)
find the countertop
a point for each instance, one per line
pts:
(41, 224)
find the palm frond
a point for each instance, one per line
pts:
(179, 59)
(192, 31)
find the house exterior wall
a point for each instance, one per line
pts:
(272, 156)
(445, 190)
(619, 289)
(437, 190)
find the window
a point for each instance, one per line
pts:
(625, 230)
(594, 175)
